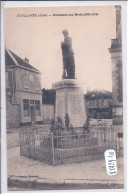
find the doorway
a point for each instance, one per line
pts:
(32, 109)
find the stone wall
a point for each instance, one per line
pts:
(12, 115)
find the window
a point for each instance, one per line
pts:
(37, 107)
(26, 107)
(10, 78)
(32, 102)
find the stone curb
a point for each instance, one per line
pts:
(65, 181)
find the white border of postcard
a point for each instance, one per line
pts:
(9, 4)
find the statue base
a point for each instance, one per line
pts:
(70, 100)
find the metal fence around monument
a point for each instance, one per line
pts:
(69, 147)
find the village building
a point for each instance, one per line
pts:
(23, 91)
(99, 104)
(116, 59)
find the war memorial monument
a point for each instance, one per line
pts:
(70, 137)
(69, 92)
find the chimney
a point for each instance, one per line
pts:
(26, 59)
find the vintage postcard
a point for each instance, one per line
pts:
(64, 97)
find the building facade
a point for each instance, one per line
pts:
(99, 104)
(116, 60)
(23, 91)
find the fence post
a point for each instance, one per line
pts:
(20, 142)
(119, 147)
(53, 156)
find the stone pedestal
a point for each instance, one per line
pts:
(70, 100)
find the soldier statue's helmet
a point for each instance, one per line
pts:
(65, 31)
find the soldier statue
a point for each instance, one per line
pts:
(68, 57)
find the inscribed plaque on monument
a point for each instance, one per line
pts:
(64, 96)
(76, 107)
(60, 105)
(75, 104)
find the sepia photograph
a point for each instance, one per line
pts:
(64, 98)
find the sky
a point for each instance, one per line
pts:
(39, 39)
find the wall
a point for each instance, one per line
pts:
(48, 112)
(27, 80)
(116, 59)
(116, 76)
(12, 115)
